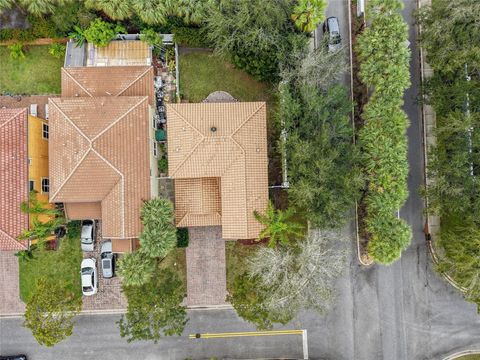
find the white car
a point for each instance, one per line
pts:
(88, 235)
(89, 277)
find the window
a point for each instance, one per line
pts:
(29, 161)
(31, 185)
(45, 131)
(45, 185)
(155, 150)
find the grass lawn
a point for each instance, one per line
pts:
(176, 261)
(202, 73)
(469, 357)
(38, 73)
(236, 255)
(60, 265)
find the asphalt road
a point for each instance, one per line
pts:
(401, 312)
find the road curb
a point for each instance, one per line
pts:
(461, 353)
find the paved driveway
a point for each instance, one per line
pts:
(109, 295)
(10, 302)
(206, 271)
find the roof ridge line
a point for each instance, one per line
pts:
(75, 81)
(122, 186)
(20, 110)
(248, 118)
(134, 81)
(193, 149)
(120, 118)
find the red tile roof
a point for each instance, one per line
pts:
(13, 176)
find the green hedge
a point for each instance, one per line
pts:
(190, 37)
(384, 68)
(182, 237)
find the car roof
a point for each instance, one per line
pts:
(87, 280)
(333, 24)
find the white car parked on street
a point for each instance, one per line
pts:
(89, 277)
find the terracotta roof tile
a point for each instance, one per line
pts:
(99, 152)
(226, 141)
(108, 81)
(81, 211)
(13, 176)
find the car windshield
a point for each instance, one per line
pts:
(87, 241)
(87, 288)
(87, 271)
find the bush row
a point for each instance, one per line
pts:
(384, 68)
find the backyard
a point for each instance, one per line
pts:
(62, 265)
(38, 73)
(202, 73)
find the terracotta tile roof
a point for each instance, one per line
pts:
(108, 81)
(99, 152)
(13, 176)
(217, 155)
(82, 211)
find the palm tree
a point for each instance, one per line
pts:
(151, 11)
(308, 13)
(114, 9)
(39, 7)
(279, 226)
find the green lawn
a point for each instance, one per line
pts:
(60, 265)
(38, 73)
(176, 261)
(202, 73)
(236, 255)
(469, 357)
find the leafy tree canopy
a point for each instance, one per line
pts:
(154, 308)
(50, 312)
(307, 14)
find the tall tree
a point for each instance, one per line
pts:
(280, 226)
(114, 9)
(159, 234)
(136, 268)
(154, 308)
(50, 312)
(293, 279)
(307, 14)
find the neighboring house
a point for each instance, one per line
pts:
(217, 156)
(13, 177)
(38, 180)
(101, 145)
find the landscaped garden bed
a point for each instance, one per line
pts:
(37, 73)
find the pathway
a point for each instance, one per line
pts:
(10, 302)
(206, 270)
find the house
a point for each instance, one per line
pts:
(102, 148)
(217, 157)
(13, 177)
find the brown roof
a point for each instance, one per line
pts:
(108, 81)
(13, 176)
(217, 155)
(82, 211)
(99, 152)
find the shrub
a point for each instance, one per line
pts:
(100, 33)
(16, 51)
(384, 67)
(191, 37)
(163, 165)
(182, 237)
(57, 50)
(43, 27)
(135, 268)
(22, 35)
(151, 37)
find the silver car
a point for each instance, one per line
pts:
(88, 235)
(89, 277)
(107, 259)
(331, 29)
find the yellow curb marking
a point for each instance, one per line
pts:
(246, 333)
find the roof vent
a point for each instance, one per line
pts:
(213, 129)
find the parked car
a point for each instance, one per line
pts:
(14, 357)
(331, 29)
(107, 259)
(88, 235)
(89, 277)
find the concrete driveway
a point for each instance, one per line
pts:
(10, 302)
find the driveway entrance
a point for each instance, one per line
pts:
(10, 302)
(206, 271)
